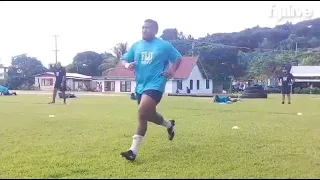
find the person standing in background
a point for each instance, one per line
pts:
(60, 84)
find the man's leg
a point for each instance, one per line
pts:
(234, 100)
(146, 107)
(55, 90)
(63, 90)
(283, 92)
(147, 112)
(157, 118)
(289, 95)
(10, 94)
(7, 94)
(64, 96)
(283, 97)
(289, 98)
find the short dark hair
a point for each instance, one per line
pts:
(153, 22)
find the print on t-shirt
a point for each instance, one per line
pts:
(146, 57)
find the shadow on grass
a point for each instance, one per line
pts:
(235, 111)
(137, 161)
(28, 103)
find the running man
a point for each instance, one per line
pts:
(285, 81)
(60, 84)
(150, 59)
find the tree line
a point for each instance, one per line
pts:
(23, 68)
(256, 53)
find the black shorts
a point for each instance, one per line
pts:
(57, 85)
(154, 94)
(7, 94)
(286, 89)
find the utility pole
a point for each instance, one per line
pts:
(192, 52)
(56, 47)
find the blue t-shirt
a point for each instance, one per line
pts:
(4, 90)
(152, 59)
(223, 99)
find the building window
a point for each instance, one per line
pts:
(125, 86)
(50, 82)
(198, 84)
(191, 84)
(128, 85)
(80, 85)
(47, 82)
(122, 86)
(207, 84)
(109, 85)
(179, 84)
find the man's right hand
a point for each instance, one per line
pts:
(130, 66)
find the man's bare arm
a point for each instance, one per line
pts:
(127, 65)
(172, 69)
(176, 65)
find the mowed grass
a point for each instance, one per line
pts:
(86, 137)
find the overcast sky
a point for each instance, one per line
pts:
(28, 27)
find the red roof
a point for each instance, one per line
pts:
(183, 72)
(120, 72)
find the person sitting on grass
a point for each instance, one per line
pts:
(4, 91)
(225, 99)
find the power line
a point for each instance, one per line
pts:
(240, 47)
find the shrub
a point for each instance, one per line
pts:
(307, 91)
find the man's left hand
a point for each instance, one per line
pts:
(168, 74)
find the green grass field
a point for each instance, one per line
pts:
(86, 137)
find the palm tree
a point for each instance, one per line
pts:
(120, 49)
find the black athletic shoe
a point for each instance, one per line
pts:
(171, 130)
(282, 102)
(289, 102)
(128, 155)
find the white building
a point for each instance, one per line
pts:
(189, 75)
(3, 71)
(308, 75)
(75, 82)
